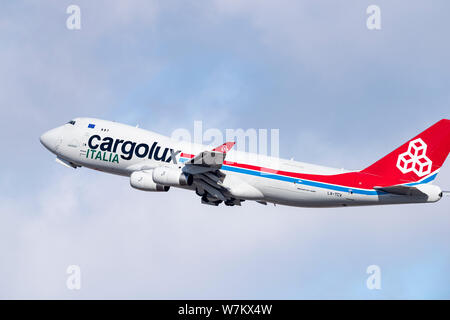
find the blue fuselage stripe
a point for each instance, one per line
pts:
(312, 183)
(298, 181)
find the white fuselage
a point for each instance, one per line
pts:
(122, 149)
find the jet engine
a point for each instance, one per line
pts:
(143, 180)
(168, 176)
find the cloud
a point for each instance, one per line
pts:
(132, 244)
(339, 94)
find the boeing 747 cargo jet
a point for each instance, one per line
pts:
(155, 163)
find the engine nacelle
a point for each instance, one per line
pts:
(171, 177)
(143, 180)
(433, 192)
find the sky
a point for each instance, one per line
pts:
(341, 95)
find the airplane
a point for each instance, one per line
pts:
(156, 163)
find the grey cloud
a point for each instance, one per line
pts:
(342, 102)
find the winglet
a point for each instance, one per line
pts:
(224, 148)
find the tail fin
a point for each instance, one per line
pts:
(418, 159)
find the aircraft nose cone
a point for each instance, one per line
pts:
(50, 138)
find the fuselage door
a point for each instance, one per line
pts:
(84, 145)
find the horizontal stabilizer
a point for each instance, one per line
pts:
(401, 190)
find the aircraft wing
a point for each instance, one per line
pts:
(208, 179)
(208, 159)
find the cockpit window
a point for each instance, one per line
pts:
(72, 122)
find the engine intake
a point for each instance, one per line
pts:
(143, 180)
(171, 177)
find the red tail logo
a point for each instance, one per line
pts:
(415, 159)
